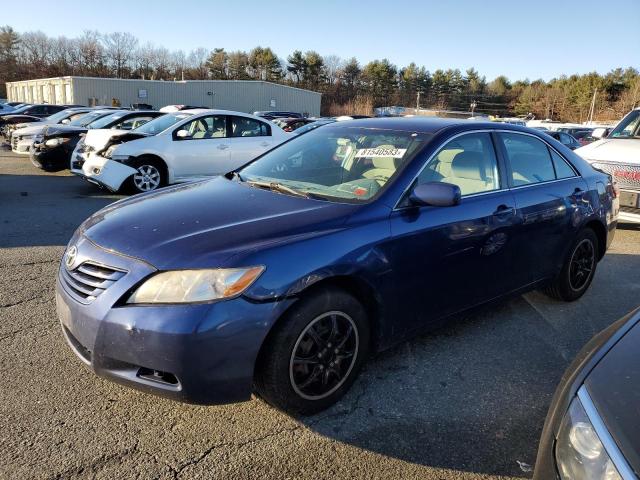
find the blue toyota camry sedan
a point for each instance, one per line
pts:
(282, 277)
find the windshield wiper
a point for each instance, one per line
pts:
(279, 187)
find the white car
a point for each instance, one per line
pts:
(23, 136)
(619, 155)
(177, 147)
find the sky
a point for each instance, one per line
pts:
(517, 38)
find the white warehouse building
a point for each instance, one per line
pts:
(239, 95)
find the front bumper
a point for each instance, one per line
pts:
(101, 171)
(21, 146)
(51, 159)
(196, 353)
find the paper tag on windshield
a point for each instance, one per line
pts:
(381, 152)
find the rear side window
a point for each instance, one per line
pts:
(529, 158)
(248, 127)
(468, 161)
(563, 170)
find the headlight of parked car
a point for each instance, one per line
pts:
(188, 286)
(579, 452)
(109, 151)
(53, 142)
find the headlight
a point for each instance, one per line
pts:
(580, 453)
(187, 286)
(109, 151)
(56, 141)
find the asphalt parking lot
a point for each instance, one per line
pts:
(467, 401)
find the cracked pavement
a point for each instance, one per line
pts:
(465, 402)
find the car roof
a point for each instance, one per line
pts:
(424, 124)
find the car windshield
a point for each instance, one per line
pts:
(20, 109)
(335, 163)
(629, 127)
(58, 117)
(160, 124)
(87, 119)
(106, 120)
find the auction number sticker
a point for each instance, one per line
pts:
(381, 152)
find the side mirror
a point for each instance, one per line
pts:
(599, 133)
(66, 121)
(437, 194)
(182, 134)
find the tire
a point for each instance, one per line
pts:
(291, 374)
(568, 285)
(152, 174)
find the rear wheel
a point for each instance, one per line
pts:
(315, 353)
(150, 175)
(578, 270)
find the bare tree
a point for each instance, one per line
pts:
(332, 65)
(119, 48)
(197, 62)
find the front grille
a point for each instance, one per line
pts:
(626, 175)
(88, 280)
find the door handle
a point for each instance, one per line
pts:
(223, 147)
(265, 144)
(504, 210)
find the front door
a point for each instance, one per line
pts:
(447, 259)
(203, 151)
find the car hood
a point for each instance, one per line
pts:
(614, 386)
(55, 130)
(203, 224)
(98, 139)
(31, 130)
(624, 150)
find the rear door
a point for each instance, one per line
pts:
(205, 149)
(248, 138)
(548, 192)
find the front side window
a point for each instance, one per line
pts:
(339, 164)
(468, 161)
(212, 126)
(529, 158)
(629, 127)
(248, 127)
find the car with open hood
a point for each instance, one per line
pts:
(52, 149)
(184, 146)
(619, 155)
(283, 275)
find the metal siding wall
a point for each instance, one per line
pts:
(238, 95)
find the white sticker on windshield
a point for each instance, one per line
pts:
(381, 152)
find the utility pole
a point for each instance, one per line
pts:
(593, 106)
(473, 105)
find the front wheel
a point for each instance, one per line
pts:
(150, 175)
(314, 354)
(578, 269)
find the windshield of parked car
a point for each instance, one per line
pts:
(58, 117)
(105, 121)
(629, 127)
(87, 119)
(339, 164)
(160, 124)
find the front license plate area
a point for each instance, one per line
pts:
(629, 199)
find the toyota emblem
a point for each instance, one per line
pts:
(70, 256)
